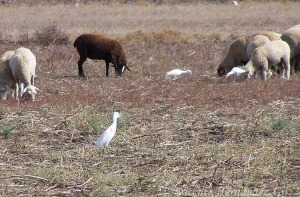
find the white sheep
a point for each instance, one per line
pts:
(292, 37)
(257, 41)
(275, 53)
(7, 81)
(22, 65)
(237, 52)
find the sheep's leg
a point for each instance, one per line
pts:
(292, 66)
(269, 73)
(250, 74)
(114, 62)
(297, 63)
(80, 69)
(107, 68)
(286, 68)
(256, 74)
(21, 87)
(17, 90)
(32, 80)
(264, 74)
(282, 70)
(117, 72)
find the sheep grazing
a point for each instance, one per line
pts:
(22, 65)
(275, 53)
(257, 41)
(103, 48)
(7, 81)
(237, 53)
(292, 37)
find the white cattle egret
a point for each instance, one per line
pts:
(108, 134)
(235, 70)
(235, 3)
(177, 72)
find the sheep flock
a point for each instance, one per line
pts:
(262, 54)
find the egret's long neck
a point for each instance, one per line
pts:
(115, 120)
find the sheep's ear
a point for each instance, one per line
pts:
(127, 68)
(25, 89)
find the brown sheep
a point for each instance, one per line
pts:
(103, 48)
(237, 53)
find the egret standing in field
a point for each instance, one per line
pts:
(235, 70)
(235, 3)
(108, 134)
(177, 72)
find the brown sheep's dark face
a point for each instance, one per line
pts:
(120, 70)
(221, 71)
(226, 65)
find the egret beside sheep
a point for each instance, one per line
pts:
(108, 134)
(177, 72)
(237, 52)
(235, 70)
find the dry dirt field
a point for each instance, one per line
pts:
(198, 135)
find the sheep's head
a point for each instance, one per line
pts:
(229, 63)
(121, 69)
(236, 56)
(29, 92)
(4, 90)
(226, 65)
(223, 70)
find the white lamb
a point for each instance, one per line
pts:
(7, 81)
(275, 53)
(22, 65)
(258, 41)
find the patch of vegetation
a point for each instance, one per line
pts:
(279, 124)
(51, 35)
(6, 130)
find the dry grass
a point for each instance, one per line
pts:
(193, 136)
